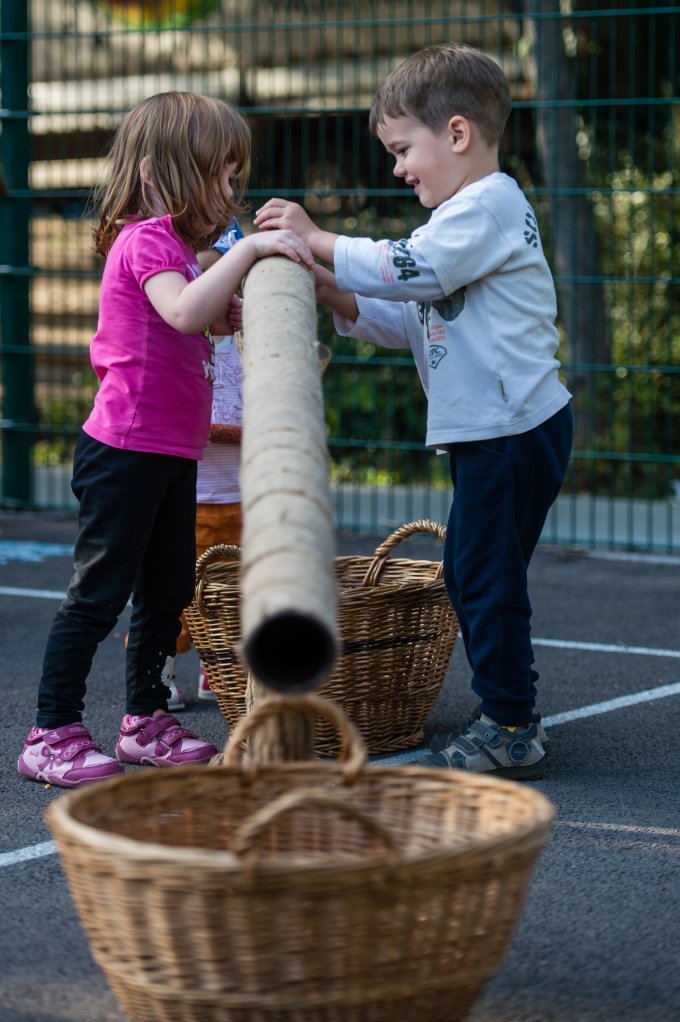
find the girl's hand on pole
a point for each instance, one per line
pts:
(281, 242)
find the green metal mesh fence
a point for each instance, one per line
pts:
(593, 140)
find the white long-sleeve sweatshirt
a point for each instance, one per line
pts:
(471, 294)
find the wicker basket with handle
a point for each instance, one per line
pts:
(397, 628)
(325, 891)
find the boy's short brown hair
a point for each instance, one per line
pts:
(441, 81)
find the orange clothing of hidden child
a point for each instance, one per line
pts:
(215, 523)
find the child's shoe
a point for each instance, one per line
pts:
(176, 700)
(487, 747)
(442, 739)
(65, 756)
(204, 689)
(160, 741)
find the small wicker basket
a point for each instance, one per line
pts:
(299, 892)
(397, 629)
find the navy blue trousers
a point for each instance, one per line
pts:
(136, 536)
(503, 490)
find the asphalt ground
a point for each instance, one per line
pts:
(599, 938)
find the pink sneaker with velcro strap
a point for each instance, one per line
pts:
(160, 740)
(65, 756)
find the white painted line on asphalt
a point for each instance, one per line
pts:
(39, 594)
(590, 647)
(606, 647)
(650, 694)
(49, 847)
(620, 828)
(612, 555)
(24, 854)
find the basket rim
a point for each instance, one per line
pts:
(229, 568)
(59, 817)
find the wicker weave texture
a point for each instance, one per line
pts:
(398, 632)
(301, 892)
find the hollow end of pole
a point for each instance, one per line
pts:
(290, 652)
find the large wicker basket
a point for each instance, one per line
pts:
(397, 631)
(323, 891)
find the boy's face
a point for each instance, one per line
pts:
(423, 158)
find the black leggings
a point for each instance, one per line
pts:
(136, 535)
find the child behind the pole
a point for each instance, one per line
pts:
(218, 490)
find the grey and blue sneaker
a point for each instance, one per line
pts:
(486, 747)
(442, 739)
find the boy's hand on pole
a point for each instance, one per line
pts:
(278, 214)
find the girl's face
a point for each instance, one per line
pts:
(222, 186)
(225, 180)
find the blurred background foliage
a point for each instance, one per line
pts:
(593, 140)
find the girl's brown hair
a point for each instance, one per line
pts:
(435, 84)
(187, 141)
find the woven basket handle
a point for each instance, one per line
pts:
(248, 834)
(398, 536)
(215, 553)
(352, 747)
(208, 557)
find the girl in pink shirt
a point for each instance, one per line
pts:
(179, 166)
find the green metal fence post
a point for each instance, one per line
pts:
(17, 369)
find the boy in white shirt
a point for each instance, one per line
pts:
(471, 294)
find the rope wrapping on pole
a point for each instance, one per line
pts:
(289, 591)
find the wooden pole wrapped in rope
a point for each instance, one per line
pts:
(289, 592)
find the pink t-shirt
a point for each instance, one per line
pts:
(155, 389)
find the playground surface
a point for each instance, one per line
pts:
(599, 937)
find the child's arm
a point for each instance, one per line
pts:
(231, 322)
(373, 320)
(397, 271)
(327, 291)
(189, 306)
(280, 214)
(208, 257)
